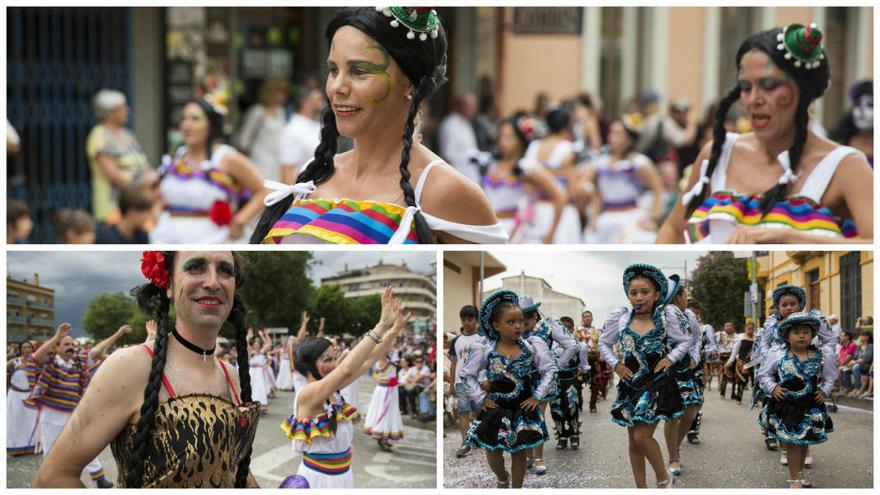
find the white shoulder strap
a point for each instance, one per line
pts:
(719, 176)
(218, 154)
(420, 185)
(820, 177)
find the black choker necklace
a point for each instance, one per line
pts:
(189, 345)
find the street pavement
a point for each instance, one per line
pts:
(412, 464)
(731, 454)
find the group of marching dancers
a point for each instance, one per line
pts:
(521, 361)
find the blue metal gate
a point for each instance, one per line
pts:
(57, 59)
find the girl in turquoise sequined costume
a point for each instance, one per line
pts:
(797, 379)
(510, 377)
(653, 337)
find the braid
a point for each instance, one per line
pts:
(135, 478)
(238, 318)
(320, 170)
(719, 135)
(423, 232)
(801, 120)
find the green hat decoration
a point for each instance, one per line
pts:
(803, 44)
(422, 20)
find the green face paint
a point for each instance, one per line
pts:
(193, 264)
(380, 70)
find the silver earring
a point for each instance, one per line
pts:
(409, 97)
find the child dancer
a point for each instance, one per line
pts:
(797, 378)
(510, 376)
(647, 392)
(684, 372)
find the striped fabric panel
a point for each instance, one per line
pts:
(332, 463)
(797, 213)
(389, 436)
(340, 221)
(59, 388)
(319, 426)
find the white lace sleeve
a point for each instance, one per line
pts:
(610, 336)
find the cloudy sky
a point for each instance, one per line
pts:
(595, 277)
(77, 276)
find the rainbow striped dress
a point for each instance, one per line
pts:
(716, 219)
(348, 221)
(326, 455)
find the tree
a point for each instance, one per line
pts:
(364, 313)
(719, 282)
(109, 311)
(276, 287)
(328, 301)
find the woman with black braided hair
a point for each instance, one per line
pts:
(382, 65)
(320, 426)
(173, 414)
(781, 183)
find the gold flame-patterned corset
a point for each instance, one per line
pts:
(197, 441)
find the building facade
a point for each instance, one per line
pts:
(840, 283)
(553, 303)
(463, 274)
(417, 291)
(30, 310)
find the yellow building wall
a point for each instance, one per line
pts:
(685, 69)
(456, 293)
(533, 63)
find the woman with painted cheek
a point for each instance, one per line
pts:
(510, 377)
(622, 178)
(389, 189)
(321, 425)
(21, 421)
(797, 378)
(515, 185)
(780, 183)
(653, 337)
(211, 191)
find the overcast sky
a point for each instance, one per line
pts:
(595, 277)
(78, 276)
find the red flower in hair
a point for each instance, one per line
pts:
(153, 267)
(221, 214)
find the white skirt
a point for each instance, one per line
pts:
(285, 376)
(270, 376)
(383, 419)
(193, 230)
(620, 227)
(259, 385)
(321, 480)
(350, 394)
(538, 226)
(21, 424)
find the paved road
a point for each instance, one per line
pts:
(411, 465)
(731, 454)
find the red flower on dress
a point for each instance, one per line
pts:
(153, 267)
(221, 214)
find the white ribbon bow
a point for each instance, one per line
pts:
(788, 177)
(698, 187)
(281, 190)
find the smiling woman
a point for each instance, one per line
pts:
(382, 65)
(781, 183)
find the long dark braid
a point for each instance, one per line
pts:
(319, 171)
(422, 89)
(150, 299)
(801, 121)
(238, 318)
(719, 135)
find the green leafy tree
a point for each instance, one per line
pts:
(364, 313)
(719, 282)
(109, 311)
(328, 301)
(276, 288)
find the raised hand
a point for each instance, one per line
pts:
(63, 330)
(152, 328)
(386, 319)
(400, 322)
(124, 330)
